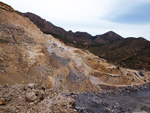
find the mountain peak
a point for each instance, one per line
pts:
(107, 37)
(112, 34)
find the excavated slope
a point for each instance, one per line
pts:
(28, 55)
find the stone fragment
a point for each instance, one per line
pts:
(40, 94)
(31, 85)
(30, 97)
(2, 102)
(48, 82)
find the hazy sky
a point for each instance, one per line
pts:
(129, 18)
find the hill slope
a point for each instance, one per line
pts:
(28, 53)
(130, 53)
(38, 73)
(77, 38)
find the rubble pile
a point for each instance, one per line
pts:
(32, 98)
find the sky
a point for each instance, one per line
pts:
(128, 18)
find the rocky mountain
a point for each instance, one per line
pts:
(130, 53)
(106, 38)
(39, 73)
(27, 53)
(127, 52)
(77, 38)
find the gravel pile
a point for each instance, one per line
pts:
(125, 100)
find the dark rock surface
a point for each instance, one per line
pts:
(13, 34)
(124, 100)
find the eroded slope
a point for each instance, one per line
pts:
(27, 53)
(47, 71)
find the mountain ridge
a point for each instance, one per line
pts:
(95, 44)
(78, 36)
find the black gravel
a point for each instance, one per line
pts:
(124, 100)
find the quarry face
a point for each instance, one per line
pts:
(41, 74)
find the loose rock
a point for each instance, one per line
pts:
(3, 101)
(30, 97)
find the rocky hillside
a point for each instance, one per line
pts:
(27, 53)
(130, 53)
(77, 38)
(43, 73)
